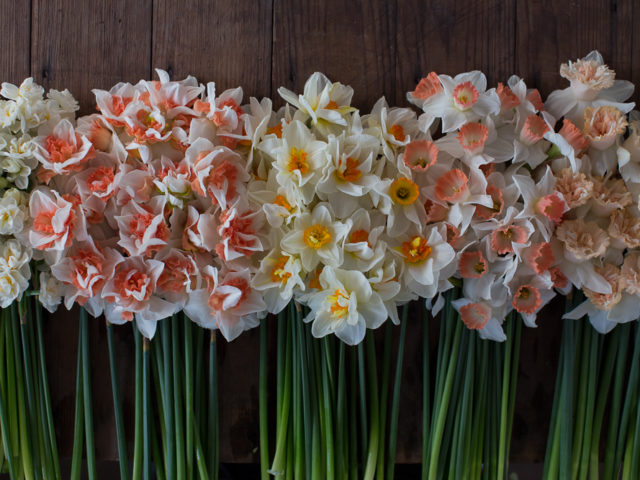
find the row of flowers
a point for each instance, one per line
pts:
(177, 197)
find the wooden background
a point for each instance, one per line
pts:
(380, 47)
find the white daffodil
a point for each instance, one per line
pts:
(278, 277)
(317, 237)
(345, 305)
(424, 255)
(349, 177)
(592, 84)
(300, 159)
(326, 103)
(462, 99)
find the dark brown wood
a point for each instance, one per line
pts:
(550, 33)
(350, 42)
(453, 37)
(85, 45)
(15, 23)
(225, 42)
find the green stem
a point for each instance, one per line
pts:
(296, 430)
(117, 406)
(606, 375)
(146, 445)
(443, 404)
(504, 403)
(342, 441)
(188, 389)
(353, 425)
(307, 399)
(264, 421)
(278, 465)
(200, 460)
(384, 399)
(4, 422)
(426, 395)
(27, 370)
(78, 430)
(581, 411)
(592, 379)
(374, 419)
(616, 403)
(213, 424)
(328, 414)
(395, 402)
(362, 383)
(167, 402)
(178, 411)
(566, 418)
(137, 441)
(631, 398)
(86, 394)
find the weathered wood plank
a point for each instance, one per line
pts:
(351, 42)
(550, 33)
(85, 45)
(15, 24)
(454, 37)
(225, 42)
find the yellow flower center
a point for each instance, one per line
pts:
(275, 130)
(404, 191)
(316, 236)
(278, 273)
(350, 173)
(283, 202)
(416, 250)
(298, 161)
(339, 304)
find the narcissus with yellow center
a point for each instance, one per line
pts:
(316, 236)
(416, 250)
(404, 191)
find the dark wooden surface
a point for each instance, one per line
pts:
(380, 47)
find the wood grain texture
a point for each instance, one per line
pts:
(225, 42)
(453, 37)
(85, 45)
(351, 42)
(550, 33)
(15, 25)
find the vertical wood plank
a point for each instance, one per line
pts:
(454, 37)
(225, 42)
(550, 33)
(15, 25)
(448, 38)
(351, 42)
(80, 46)
(84, 45)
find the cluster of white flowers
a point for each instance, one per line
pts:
(22, 112)
(598, 243)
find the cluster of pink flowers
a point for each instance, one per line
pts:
(143, 208)
(173, 198)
